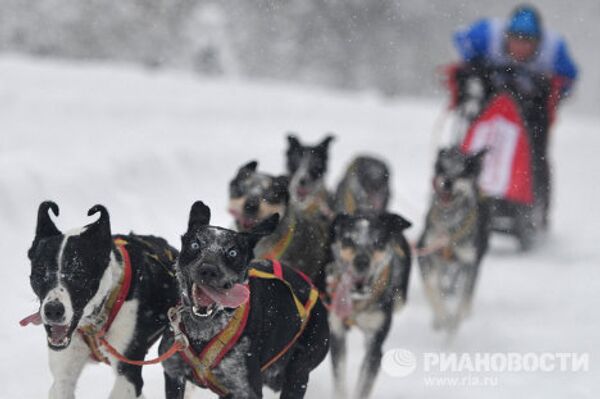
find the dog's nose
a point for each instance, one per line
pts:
(54, 311)
(446, 184)
(209, 273)
(251, 206)
(361, 262)
(303, 181)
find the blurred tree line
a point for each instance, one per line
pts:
(391, 46)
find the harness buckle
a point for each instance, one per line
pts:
(174, 315)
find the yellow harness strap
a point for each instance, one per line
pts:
(282, 245)
(303, 309)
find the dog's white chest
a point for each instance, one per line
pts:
(122, 330)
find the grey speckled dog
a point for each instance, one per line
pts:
(246, 323)
(455, 237)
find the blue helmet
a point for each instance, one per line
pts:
(525, 22)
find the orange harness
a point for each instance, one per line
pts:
(203, 363)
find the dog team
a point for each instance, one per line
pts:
(263, 304)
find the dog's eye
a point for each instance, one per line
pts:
(379, 245)
(232, 253)
(194, 246)
(347, 243)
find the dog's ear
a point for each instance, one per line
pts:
(45, 226)
(474, 163)
(293, 142)
(324, 145)
(281, 187)
(100, 229)
(247, 169)
(338, 220)
(199, 215)
(442, 152)
(394, 223)
(264, 228)
(293, 154)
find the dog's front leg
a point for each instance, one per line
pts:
(66, 367)
(376, 326)
(174, 387)
(129, 382)
(338, 355)
(430, 270)
(124, 389)
(124, 336)
(470, 272)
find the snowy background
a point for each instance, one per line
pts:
(147, 134)
(391, 47)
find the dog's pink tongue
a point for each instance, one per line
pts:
(35, 319)
(377, 201)
(342, 301)
(231, 298)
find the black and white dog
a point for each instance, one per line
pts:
(93, 286)
(365, 187)
(366, 283)
(297, 241)
(242, 323)
(306, 166)
(455, 237)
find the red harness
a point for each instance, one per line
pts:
(94, 337)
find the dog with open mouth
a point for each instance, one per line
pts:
(98, 291)
(367, 282)
(306, 166)
(298, 240)
(455, 237)
(243, 323)
(365, 187)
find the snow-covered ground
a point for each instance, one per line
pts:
(148, 144)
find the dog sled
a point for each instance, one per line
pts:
(509, 112)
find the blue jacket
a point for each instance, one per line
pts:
(485, 39)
